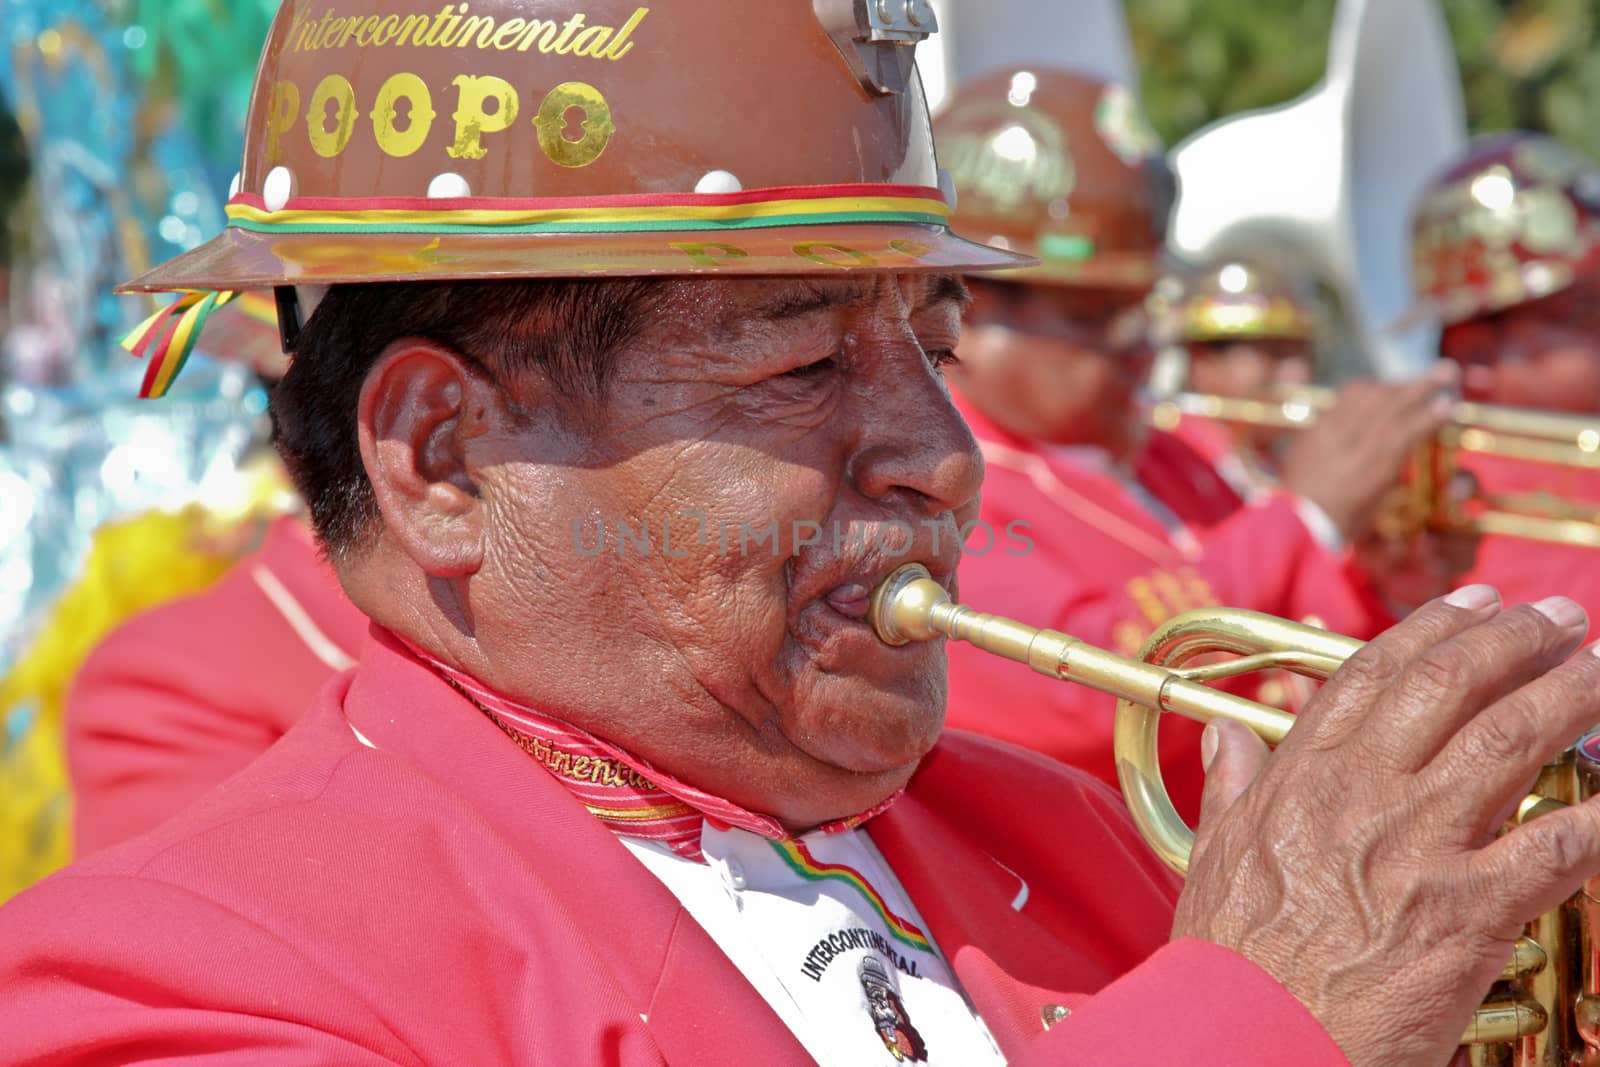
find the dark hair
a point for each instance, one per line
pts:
(568, 329)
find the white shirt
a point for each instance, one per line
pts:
(858, 984)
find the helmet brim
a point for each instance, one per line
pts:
(1129, 277)
(1121, 271)
(1532, 282)
(241, 260)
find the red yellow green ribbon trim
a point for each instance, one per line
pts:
(807, 866)
(168, 337)
(754, 209)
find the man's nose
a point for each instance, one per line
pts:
(917, 444)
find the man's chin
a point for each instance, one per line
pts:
(875, 734)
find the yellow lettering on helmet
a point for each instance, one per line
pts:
(329, 143)
(709, 255)
(473, 121)
(397, 142)
(620, 45)
(542, 31)
(411, 31)
(505, 37)
(814, 252)
(283, 111)
(331, 29)
(479, 26)
(563, 42)
(351, 27)
(369, 26)
(552, 124)
(591, 41)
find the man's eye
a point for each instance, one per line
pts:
(812, 370)
(940, 358)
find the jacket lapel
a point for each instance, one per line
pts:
(667, 971)
(1010, 964)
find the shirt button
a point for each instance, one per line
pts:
(733, 874)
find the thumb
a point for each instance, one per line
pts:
(1233, 755)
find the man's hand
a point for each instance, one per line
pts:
(1358, 864)
(1348, 462)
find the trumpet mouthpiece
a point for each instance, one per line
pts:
(903, 606)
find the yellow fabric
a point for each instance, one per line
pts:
(133, 566)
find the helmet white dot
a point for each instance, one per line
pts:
(719, 181)
(449, 186)
(238, 183)
(278, 189)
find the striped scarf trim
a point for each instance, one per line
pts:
(627, 794)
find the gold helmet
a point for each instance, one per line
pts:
(1233, 299)
(1063, 167)
(516, 139)
(1517, 219)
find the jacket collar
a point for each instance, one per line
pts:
(661, 960)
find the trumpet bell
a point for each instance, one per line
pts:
(977, 36)
(1332, 178)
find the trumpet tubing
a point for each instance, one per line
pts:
(1563, 442)
(1544, 1010)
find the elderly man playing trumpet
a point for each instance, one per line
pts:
(679, 804)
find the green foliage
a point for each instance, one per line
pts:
(202, 54)
(1204, 59)
(1528, 64)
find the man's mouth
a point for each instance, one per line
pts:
(852, 601)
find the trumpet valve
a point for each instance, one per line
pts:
(1586, 1020)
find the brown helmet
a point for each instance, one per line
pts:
(1063, 167)
(513, 138)
(1233, 299)
(1516, 220)
(517, 139)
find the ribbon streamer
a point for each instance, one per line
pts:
(168, 337)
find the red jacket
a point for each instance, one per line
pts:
(180, 698)
(1527, 571)
(438, 898)
(1104, 569)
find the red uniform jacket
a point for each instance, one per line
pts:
(439, 898)
(180, 698)
(1103, 568)
(1527, 571)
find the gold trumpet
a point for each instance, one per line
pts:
(1544, 1010)
(1431, 498)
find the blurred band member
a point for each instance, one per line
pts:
(1233, 328)
(1126, 528)
(1506, 250)
(181, 697)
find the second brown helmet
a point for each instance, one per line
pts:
(1061, 166)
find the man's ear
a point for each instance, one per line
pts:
(422, 407)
